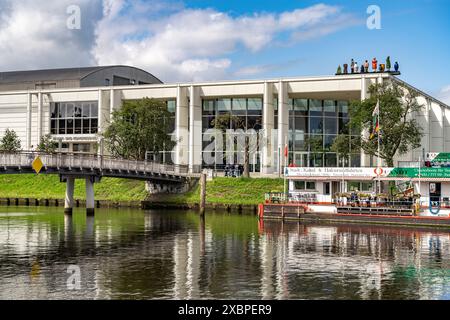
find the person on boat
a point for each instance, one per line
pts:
(374, 64)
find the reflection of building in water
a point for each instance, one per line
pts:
(361, 258)
(186, 255)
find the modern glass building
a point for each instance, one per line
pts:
(306, 113)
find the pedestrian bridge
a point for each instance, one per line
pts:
(92, 168)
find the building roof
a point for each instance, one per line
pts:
(51, 74)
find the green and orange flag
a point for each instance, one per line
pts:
(376, 120)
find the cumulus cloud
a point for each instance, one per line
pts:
(195, 44)
(34, 34)
(173, 42)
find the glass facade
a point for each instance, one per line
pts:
(313, 126)
(74, 118)
(234, 114)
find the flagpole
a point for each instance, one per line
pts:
(286, 155)
(379, 140)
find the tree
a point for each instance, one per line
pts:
(10, 141)
(47, 145)
(222, 122)
(399, 132)
(138, 127)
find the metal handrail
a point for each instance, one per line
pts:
(90, 162)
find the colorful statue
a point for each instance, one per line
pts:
(382, 67)
(374, 64)
(355, 67)
(388, 63)
(366, 66)
(352, 66)
(345, 68)
(396, 66)
(339, 70)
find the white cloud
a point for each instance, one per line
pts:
(34, 34)
(444, 95)
(171, 41)
(195, 44)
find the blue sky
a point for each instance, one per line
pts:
(414, 33)
(203, 40)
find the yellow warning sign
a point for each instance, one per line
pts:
(37, 164)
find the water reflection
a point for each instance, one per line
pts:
(130, 254)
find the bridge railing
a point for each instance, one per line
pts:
(87, 161)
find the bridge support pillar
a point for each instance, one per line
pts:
(68, 203)
(90, 201)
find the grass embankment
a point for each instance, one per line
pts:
(227, 191)
(219, 191)
(49, 187)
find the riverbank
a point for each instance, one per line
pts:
(28, 186)
(225, 191)
(222, 193)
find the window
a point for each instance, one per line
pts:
(310, 185)
(315, 108)
(301, 107)
(304, 185)
(81, 147)
(316, 125)
(299, 185)
(329, 107)
(208, 107)
(74, 118)
(359, 186)
(224, 105)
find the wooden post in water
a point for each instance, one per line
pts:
(202, 193)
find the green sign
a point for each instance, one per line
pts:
(442, 157)
(425, 172)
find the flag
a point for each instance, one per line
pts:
(375, 121)
(286, 151)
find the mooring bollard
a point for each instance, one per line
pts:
(202, 193)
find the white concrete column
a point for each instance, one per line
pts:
(29, 115)
(68, 203)
(365, 159)
(182, 127)
(195, 129)
(112, 100)
(268, 127)
(283, 121)
(100, 111)
(115, 100)
(90, 201)
(39, 117)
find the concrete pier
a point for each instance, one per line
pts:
(68, 203)
(90, 201)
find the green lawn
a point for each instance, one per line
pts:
(48, 187)
(229, 191)
(220, 190)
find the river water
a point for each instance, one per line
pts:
(131, 254)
